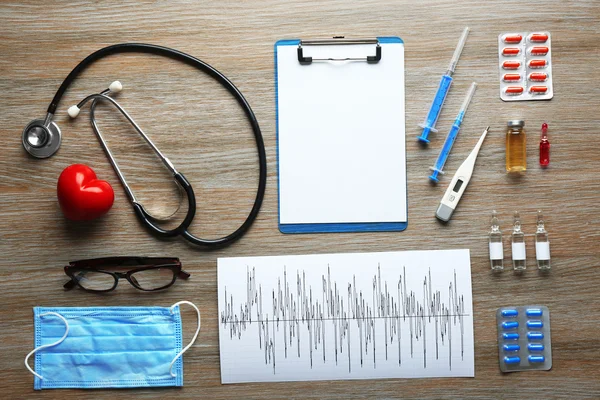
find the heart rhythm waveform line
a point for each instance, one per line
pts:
(299, 308)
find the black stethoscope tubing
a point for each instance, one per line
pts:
(145, 218)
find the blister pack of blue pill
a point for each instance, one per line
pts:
(524, 338)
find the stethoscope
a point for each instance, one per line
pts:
(42, 138)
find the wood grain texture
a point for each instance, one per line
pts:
(199, 126)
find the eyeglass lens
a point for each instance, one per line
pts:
(152, 279)
(95, 280)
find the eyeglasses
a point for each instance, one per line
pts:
(148, 274)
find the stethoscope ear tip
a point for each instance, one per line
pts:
(73, 111)
(115, 87)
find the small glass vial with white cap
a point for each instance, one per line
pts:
(495, 244)
(542, 244)
(518, 244)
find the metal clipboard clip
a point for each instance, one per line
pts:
(338, 40)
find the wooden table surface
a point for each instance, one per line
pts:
(200, 127)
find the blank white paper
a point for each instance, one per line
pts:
(341, 136)
(346, 316)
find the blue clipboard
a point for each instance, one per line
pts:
(324, 227)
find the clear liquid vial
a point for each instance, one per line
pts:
(518, 244)
(542, 244)
(495, 245)
(516, 150)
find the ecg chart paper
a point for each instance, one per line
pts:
(346, 316)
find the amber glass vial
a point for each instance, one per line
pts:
(516, 151)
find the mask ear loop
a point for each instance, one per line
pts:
(45, 346)
(193, 339)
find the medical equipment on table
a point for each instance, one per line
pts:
(144, 273)
(544, 146)
(322, 189)
(542, 244)
(438, 168)
(109, 347)
(495, 244)
(140, 211)
(442, 91)
(459, 183)
(524, 341)
(41, 138)
(516, 146)
(517, 239)
(524, 66)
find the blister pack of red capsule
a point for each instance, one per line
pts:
(525, 66)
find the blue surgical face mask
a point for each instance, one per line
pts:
(108, 347)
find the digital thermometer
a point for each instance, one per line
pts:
(459, 183)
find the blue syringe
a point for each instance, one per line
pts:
(440, 96)
(441, 160)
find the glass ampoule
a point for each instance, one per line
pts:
(542, 244)
(518, 244)
(495, 244)
(544, 146)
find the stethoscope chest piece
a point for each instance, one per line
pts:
(41, 138)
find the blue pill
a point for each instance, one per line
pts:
(535, 347)
(510, 325)
(512, 360)
(510, 313)
(534, 312)
(535, 335)
(535, 324)
(536, 359)
(510, 336)
(511, 347)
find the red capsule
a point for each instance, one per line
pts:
(512, 39)
(539, 51)
(510, 51)
(512, 77)
(514, 90)
(511, 64)
(538, 76)
(538, 89)
(538, 37)
(537, 63)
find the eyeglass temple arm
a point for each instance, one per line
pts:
(69, 285)
(183, 275)
(124, 261)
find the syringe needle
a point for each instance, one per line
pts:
(458, 51)
(468, 98)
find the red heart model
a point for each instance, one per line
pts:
(83, 197)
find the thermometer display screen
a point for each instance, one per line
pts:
(457, 185)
